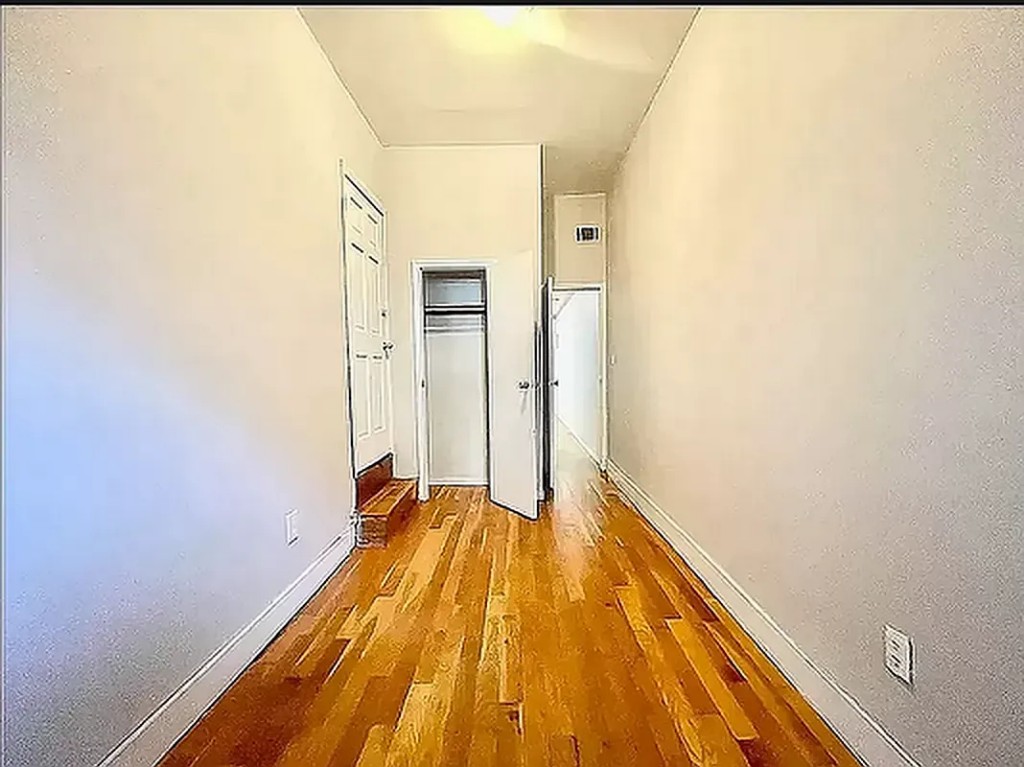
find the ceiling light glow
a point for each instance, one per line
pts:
(503, 15)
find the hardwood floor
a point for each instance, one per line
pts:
(479, 638)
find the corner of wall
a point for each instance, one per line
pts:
(341, 82)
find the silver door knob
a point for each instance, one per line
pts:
(524, 385)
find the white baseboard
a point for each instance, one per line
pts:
(154, 737)
(460, 481)
(864, 736)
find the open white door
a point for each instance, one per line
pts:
(512, 377)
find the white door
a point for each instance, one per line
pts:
(511, 324)
(369, 344)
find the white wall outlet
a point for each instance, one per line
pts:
(899, 655)
(291, 526)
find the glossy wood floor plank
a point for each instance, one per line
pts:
(480, 638)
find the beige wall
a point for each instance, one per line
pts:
(576, 263)
(173, 359)
(548, 237)
(472, 202)
(817, 315)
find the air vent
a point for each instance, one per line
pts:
(586, 233)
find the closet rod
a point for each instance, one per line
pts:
(456, 309)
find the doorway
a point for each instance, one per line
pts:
(575, 372)
(455, 358)
(474, 353)
(367, 325)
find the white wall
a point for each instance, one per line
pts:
(578, 367)
(576, 263)
(457, 400)
(817, 308)
(457, 202)
(173, 360)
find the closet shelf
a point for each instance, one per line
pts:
(456, 309)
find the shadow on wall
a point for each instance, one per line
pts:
(173, 360)
(134, 511)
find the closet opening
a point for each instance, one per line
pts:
(452, 356)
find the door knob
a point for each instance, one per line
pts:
(555, 382)
(524, 385)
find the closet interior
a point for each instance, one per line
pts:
(455, 351)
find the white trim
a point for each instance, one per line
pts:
(150, 741)
(581, 194)
(539, 280)
(460, 481)
(862, 734)
(606, 282)
(419, 410)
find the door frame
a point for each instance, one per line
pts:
(346, 177)
(602, 330)
(420, 415)
(546, 386)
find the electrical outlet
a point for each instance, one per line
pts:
(899, 655)
(291, 526)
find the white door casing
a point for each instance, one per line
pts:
(512, 379)
(548, 382)
(368, 337)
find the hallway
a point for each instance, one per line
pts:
(763, 264)
(480, 638)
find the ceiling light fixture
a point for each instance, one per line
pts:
(503, 15)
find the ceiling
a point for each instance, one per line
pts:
(574, 79)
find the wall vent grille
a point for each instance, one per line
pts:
(588, 233)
